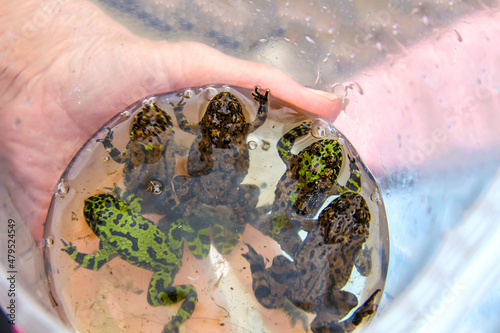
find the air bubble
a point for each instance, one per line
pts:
(188, 93)
(105, 158)
(375, 197)
(62, 188)
(252, 144)
(320, 128)
(125, 114)
(156, 187)
(150, 100)
(49, 241)
(210, 93)
(310, 40)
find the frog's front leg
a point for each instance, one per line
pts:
(181, 118)
(263, 100)
(113, 152)
(130, 200)
(285, 144)
(89, 261)
(353, 184)
(284, 230)
(162, 292)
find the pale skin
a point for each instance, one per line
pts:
(66, 68)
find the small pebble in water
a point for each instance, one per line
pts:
(156, 187)
(266, 145)
(62, 188)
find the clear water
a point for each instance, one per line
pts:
(114, 297)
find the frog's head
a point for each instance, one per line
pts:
(98, 209)
(223, 120)
(319, 164)
(346, 219)
(150, 124)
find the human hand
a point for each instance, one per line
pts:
(69, 68)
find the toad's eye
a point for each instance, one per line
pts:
(362, 216)
(144, 120)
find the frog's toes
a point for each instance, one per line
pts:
(179, 106)
(252, 256)
(69, 248)
(260, 97)
(108, 137)
(367, 309)
(296, 314)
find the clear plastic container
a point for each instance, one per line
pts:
(422, 82)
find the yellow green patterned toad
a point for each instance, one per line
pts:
(137, 240)
(311, 175)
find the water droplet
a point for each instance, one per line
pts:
(125, 114)
(188, 93)
(375, 197)
(62, 188)
(252, 144)
(49, 241)
(149, 100)
(310, 40)
(320, 128)
(210, 93)
(156, 187)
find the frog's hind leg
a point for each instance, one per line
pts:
(162, 292)
(285, 144)
(226, 233)
(196, 232)
(224, 239)
(295, 314)
(353, 184)
(367, 309)
(339, 305)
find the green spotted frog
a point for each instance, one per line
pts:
(218, 162)
(321, 267)
(137, 240)
(149, 158)
(310, 176)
